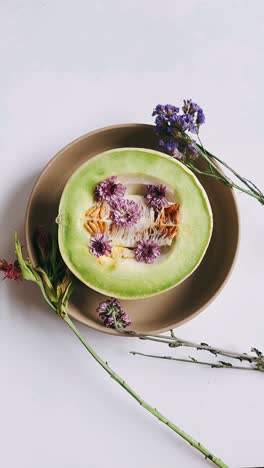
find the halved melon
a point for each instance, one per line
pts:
(182, 229)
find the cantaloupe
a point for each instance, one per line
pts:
(182, 229)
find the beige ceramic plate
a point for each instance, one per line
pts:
(167, 310)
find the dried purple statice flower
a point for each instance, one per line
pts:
(166, 110)
(12, 270)
(100, 244)
(170, 123)
(146, 251)
(179, 149)
(125, 213)
(156, 196)
(113, 315)
(200, 119)
(191, 152)
(109, 190)
(194, 114)
(169, 146)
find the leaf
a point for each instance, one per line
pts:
(226, 364)
(193, 359)
(29, 273)
(25, 265)
(63, 301)
(213, 352)
(256, 351)
(47, 284)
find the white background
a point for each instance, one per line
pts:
(68, 68)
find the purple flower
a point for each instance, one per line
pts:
(169, 109)
(109, 190)
(191, 152)
(113, 315)
(147, 251)
(100, 245)
(200, 119)
(179, 149)
(192, 109)
(183, 122)
(156, 196)
(125, 212)
(166, 110)
(159, 109)
(179, 121)
(162, 124)
(169, 147)
(170, 123)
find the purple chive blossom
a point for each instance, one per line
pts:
(100, 245)
(112, 314)
(146, 251)
(156, 196)
(109, 190)
(125, 213)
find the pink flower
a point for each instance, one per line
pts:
(109, 190)
(156, 196)
(147, 251)
(113, 315)
(125, 213)
(100, 244)
(12, 270)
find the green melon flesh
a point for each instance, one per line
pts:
(129, 279)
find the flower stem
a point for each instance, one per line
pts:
(145, 405)
(218, 365)
(251, 190)
(173, 342)
(245, 181)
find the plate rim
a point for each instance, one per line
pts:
(94, 325)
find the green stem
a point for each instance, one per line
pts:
(145, 405)
(218, 365)
(253, 191)
(174, 342)
(245, 181)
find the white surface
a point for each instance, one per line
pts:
(68, 68)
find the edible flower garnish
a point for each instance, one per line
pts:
(109, 190)
(113, 315)
(147, 251)
(156, 196)
(125, 213)
(100, 244)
